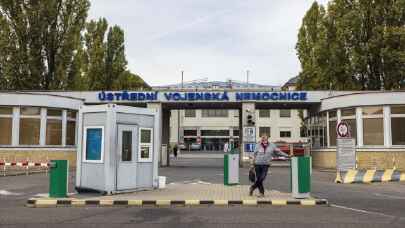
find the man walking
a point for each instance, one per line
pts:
(262, 156)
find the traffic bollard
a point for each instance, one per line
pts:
(58, 178)
(301, 177)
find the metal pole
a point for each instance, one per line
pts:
(247, 78)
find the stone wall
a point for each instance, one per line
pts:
(365, 159)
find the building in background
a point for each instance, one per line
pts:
(212, 128)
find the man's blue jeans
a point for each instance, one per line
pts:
(261, 173)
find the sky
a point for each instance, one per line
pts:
(213, 39)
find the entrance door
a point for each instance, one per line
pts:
(128, 152)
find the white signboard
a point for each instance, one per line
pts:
(345, 154)
(249, 134)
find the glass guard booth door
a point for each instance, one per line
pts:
(127, 157)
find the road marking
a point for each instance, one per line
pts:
(389, 196)
(8, 193)
(362, 211)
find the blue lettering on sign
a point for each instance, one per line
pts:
(274, 96)
(127, 96)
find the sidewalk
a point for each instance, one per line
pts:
(180, 194)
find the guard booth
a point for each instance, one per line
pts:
(117, 149)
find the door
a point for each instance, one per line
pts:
(127, 156)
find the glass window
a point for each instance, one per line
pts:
(285, 134)
(126, 153)
(71, 114)
(94, 144)
(332, 114)
(285, 113)
(214, 113)
(6, 111)
(189, 113)
(303, 131)
(348, 112)
(145, 146)
(332, 133)
(264, 113)
(397, 109)
(6, 125)
(264, 131)
(146, 135)
(236, 132)
(214, 132)
(29, 131)
(30, 111)
(372, 110)
(53, 132)
(190, 132)
(373, 132)
(70, 133)
(398, 130)
(54, 112)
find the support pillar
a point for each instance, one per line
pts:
(162, 132)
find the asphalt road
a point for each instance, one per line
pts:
(372, 205)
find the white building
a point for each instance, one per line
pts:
(214, 127)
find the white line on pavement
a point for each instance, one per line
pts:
(8, 193)
(362, 211)
(389, 196)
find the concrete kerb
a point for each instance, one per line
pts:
(369, 176)
(68, 202)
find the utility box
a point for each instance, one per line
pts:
(117, 149)
(58, 178)
(231, 167)
(301, 177)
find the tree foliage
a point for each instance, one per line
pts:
(353, 44)
(48, 45)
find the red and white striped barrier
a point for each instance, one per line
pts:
(25, 165)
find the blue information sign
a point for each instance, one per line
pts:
(93, 144)
(250, 147)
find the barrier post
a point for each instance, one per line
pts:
(58, 178)
(301, 177)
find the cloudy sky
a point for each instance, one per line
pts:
(214, 39)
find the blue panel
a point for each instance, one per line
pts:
(93, 144)
(250, 147)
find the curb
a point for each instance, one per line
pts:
(36, 203)
(369, 176)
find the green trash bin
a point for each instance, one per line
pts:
(231, 168)
(301, 177)
(58, 178)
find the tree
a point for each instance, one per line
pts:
(38, 40)
(359, 44)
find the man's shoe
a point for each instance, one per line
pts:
(250, 191)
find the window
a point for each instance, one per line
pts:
(145, 145)
(285, 134)
(264, 130)
(190, 132)
(332, 133)
(189, 113)
(303, 131)
(214, 132)
(53, 132)
(285, 113)
(71, 128)
(54, 127)
(264, 113)
(373, 126)
(349, 116)
(94, 144)
(235, 132)
(126, 153)
(398, 125)
(214, 113)
(6, 125)
(30, 124)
